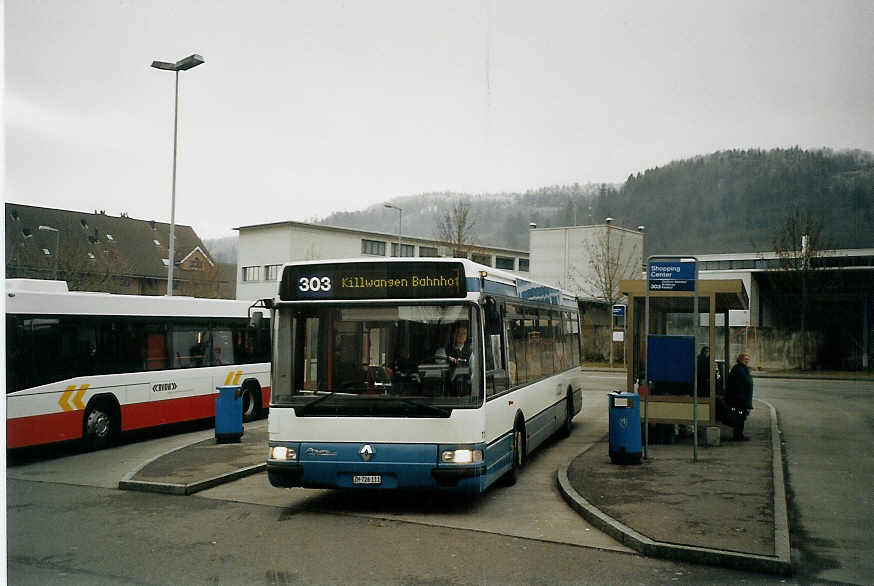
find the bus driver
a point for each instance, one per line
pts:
(458, 350)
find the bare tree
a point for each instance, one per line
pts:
(455, 225)
(206, 282)
(610, 260)
(799, 244)
(99, 266)
(85, 266)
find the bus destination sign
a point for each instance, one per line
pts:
(373, 281)
(675, 275)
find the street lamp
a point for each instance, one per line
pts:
(181, 65)
(642, 230)
(608, 273)
(57, 245)
(400, 222)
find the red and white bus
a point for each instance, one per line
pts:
(92, 365)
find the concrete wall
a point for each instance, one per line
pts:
(560, 256)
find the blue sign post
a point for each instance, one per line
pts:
(672, 274)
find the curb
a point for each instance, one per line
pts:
(814, 377)
(128, 482)
(779, 564)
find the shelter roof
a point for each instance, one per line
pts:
(729, 293)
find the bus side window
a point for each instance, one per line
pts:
(222, 347)
(19, 354)
(156, 350)
(496, 370)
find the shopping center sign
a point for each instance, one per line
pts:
(671, 275)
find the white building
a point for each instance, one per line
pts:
(561, 256)
(263, 248)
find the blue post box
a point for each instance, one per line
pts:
(228, 414)
(625, 445)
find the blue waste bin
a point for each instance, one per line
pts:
(228, 414)
(625, 445)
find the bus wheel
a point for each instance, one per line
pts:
(251, 402)
(565, 430)
(98, 427)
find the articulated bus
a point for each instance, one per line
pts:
(92, 365)
(416, 374)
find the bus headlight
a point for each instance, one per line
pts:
(461, 456)
(283, 453)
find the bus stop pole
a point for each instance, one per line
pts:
(695, 377)
(645, 382)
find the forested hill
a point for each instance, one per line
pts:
(729, 201)
(735, 201)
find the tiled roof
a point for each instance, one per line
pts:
(135, 239)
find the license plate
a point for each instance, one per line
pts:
(367, 479)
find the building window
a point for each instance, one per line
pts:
(250, 274)
(428, 251)
(406, 249)
(503, 262)
(483, 259)
(271, 272)
(459, 253)
(374, 247)
(523, 265)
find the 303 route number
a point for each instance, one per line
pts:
(314, 284)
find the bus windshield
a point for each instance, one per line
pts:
(379, 360)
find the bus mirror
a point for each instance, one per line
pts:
(493, 316)
(263, 304)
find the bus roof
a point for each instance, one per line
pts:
(36, 297)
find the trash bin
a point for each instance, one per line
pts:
(228, 414)
(625, 445)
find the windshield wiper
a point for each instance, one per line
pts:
(439, 410)
(306, 406)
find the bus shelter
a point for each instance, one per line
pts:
(673, 344)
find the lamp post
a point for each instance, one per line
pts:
(608, 273)
(57, 245)
(181, 65)
(642, 230)
(400, 222)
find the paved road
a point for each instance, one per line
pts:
(66, 527)
(827, 431)
(827, 427)
(532, 509)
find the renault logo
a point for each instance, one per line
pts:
(366, 453)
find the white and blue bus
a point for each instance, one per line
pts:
(416, 374)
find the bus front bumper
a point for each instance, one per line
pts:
(374, 466)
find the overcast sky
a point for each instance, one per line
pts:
(305, 108)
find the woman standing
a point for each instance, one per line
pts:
(739, 394)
